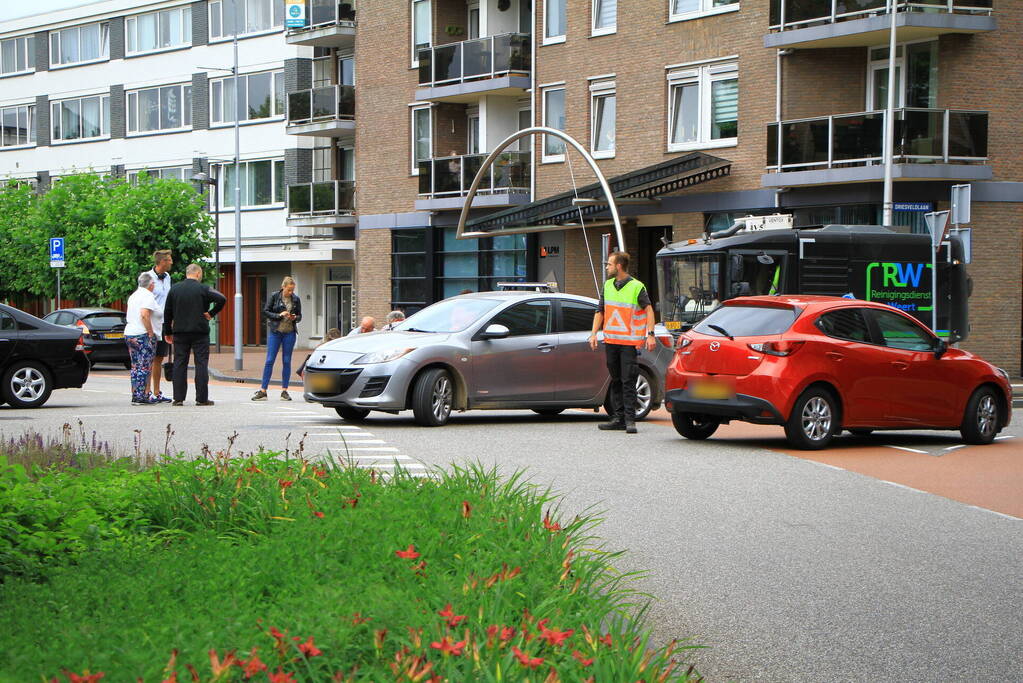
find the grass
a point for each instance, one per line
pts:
(320, 571)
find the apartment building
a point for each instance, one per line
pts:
(123, 87)
(698, 112)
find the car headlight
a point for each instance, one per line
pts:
(382, 356)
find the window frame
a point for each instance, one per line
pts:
(156, 173)
(186, 111)
(222, 37)
(594, 16)
(275, 76)
(874, 317)
(704, 75)
(32, 127)
(554, 38)
(602, 89)
(413, 110)
(104, 106)
(707, 9)
(547, 302)
(546, 158)
(56, 40)
(27, 49)
(132, 22)
(414, 62)
(562, 327)
(227, 192)
(864, 318)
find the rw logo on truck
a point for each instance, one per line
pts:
(901, 285)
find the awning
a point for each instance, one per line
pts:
(643, 187)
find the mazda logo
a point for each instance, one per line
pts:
(714, 346)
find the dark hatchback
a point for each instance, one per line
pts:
(37, 357)
(102, 331)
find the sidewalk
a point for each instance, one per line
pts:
(253, 358)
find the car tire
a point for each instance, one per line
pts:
(27, 384)
(861, 431)
(813, 421)
(644, 403)
(694, 427)
(432, 397)
(982, 417)
(548, 412)
(349, 414)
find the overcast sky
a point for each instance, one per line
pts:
(12, 9)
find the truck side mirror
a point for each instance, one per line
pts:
(735, 267)
(741, 289)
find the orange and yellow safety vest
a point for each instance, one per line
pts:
(624, 319)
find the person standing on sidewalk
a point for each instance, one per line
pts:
(140, 335)
(627, 319)
(162, 262)
(282, 313)
(186, 325)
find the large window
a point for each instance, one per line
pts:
(82, 118)
(553, 117)
(689, 9)
(165, 108)
(605, 16)
(554, 20)
(248, 16)
(262, 183)
(421, 28)
(172, 172)
(261, 97)
(410, 290)
(158, 30)
(80, 44)
(602, 116)
(703, 106)
(17, 55)
(422, 136)
(17, 125)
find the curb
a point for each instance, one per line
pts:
(217, 375)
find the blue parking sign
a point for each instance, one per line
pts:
(56, 252)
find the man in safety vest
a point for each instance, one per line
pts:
(627, 318)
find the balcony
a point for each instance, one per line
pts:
(445, 181)
(330, 24)
(460, 72)
(328, 204)
(325, 112)
(929, 144)
(862, 23)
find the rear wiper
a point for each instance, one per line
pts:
(722, 331)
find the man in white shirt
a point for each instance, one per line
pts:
(160, 273)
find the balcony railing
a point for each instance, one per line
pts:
(477, 59)
(331, 102)
(324, 13)
(936, 136)
(791, 14)
(328, 198)
(452, 176)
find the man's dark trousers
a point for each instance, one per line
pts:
(621, 363)
(199, 345)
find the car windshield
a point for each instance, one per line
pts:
(747, 321)
(450, 315)
(689, 287)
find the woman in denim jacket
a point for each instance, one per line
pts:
(283, 311)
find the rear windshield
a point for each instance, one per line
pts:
(747, 321)
(105, 319)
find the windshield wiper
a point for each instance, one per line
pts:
(416, 329)
(722, 331)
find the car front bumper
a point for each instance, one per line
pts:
(740, 407)
(379, 386)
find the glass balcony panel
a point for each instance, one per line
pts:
(426, 177)
(299, 199)
(447, 175)
(520, 52)
(346, 11)
(346, 101)
(425, 57)
(805, 143)
(473, 59)
(447, 63)
(967, 134)
(324, 102)
(858, 136)
(772, 144)
(324, 197)
(346, 195)
(858, 6)
(298, 106)
(919, 134)
(477, 58)
(471, 165)
(322, 12)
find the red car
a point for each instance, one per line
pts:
(819, 364)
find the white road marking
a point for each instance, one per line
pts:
(830, 467)
(361, 442)
(911, 450)
(97, 391)
(140, 413)
(1007, 436)
(901, 486)
(952, 448)
(995, 512)
(333, 428)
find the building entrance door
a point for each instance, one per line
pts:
(254, 295)
(338, 311)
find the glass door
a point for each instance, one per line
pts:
(338, 307)
(474, 21)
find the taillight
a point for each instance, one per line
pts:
(85, 328)
(666, 340)
(81, 345)
(683, 342)
(776, 348)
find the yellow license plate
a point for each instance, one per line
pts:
(113, 335)
(321, 384)
(711, 391)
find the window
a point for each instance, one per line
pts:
(602, 118)
(262, 183)
(605, 16)
(247, 16)
(748, 321)
(554, 117)
(422, 137)
(900, 333)
(17, 125)
(478, 265)
(525, 144)
(529, 317)
(80, 118)
(703, 106)
(847, 323)
(554, 21)
(576, 317)
(474, 142)
(916, 76)
(158, 30)
(174, 173)
(7, 322)
(80, 44)
(409, 288)
(689, 9)
(165, 108)
(421, 28)
(17, 55)
(261, 97)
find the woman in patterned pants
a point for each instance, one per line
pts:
(141, 339)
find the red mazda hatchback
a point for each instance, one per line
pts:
(818, 365)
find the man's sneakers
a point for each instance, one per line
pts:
(159, 398)
(204, 403)
(259, 396)
(630, 427)
(611, 425)
(177, 403)
(284, 396)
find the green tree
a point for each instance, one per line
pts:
(18, 231)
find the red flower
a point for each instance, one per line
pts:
(466, 509)
(446, 646)
(378, 637)
(553, 636)
(309, 649)
(408, 554)
(357, 618)
(581, 659)
(350, 502)
(507, 633)
(525, 660)
(84, 678)
(605, 639)
(253, 666)
(452, 618)
(220, 667)
(285, 484)
(277, 635)
(252, 469)
(319, 473)
(318, 514)
(549, 525)
(281, 677)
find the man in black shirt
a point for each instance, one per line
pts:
(186, 325)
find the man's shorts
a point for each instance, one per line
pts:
(162, 349)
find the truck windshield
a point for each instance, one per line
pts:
(689, 286)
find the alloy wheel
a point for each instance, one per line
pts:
(441, 402)
(987, 415)
(28, 384)
(816, 418)
(644, 394)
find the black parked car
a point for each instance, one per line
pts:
(37, 357)
(102, 330)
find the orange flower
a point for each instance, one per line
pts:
(357, 618)
(507, 633)
(452, 618)
(309, 649)
(350, 502)
(525, 660)
(378, 637)
(549, 525)
(219, 667)
(581, 659)
(254, 665)
(407, 554)
(285, 484)
(553, 636)
(605, 639)
(85, 677)
(318, 514)
(281, 677)
(252, 469)
(447, 646)
(466, 509)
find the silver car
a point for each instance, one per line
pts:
(489, 350)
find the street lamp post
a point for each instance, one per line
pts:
(237, 208)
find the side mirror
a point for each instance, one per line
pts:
(495, 331)
(940, 348)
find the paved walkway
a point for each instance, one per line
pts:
(253, 358)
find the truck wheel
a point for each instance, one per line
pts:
(349, 414)
(432, 398)
(982, 417)
(813, 421)
(26, 384)
(694, 427)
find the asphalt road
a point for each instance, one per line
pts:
(787, 568)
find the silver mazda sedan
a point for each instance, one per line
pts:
(489, 350)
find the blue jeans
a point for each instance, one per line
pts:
(285, 343)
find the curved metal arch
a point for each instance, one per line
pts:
(489, 161)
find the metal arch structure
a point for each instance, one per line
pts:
(489, 161)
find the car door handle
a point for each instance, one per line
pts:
(900, 364)
(834, 355)
(545, 348)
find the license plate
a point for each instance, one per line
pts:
(711, 390)
(114, 335)
(321, 384)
